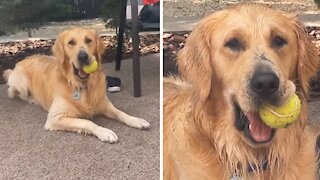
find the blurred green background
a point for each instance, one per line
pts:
(29, 15)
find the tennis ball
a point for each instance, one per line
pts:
(281, 116)
(90, 68)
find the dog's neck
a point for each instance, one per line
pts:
(77, 85)
(94, 81)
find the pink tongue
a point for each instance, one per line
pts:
(259, 131)
(82, 74)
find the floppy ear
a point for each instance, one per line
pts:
(308, 60)
(58, 50)
(194, 60)
(100, 48)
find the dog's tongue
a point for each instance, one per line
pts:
(82, 74)
(259, 131)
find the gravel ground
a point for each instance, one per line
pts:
(187, 8)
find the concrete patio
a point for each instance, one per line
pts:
(27, 151)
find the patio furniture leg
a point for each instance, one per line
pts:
(121, 33)
(136, 65)
(135, 49)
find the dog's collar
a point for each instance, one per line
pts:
(252, 168)
(262, 166)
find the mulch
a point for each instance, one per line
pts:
(174, 41)
(13, 52)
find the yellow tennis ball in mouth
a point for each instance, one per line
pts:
(281, 116)
(90, 68)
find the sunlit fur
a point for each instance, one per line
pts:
(50, 82)
(200, 138)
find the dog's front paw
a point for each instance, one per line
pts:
(106, 135)
(138, 123)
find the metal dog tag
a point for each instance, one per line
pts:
(76, 94)
(235, 177)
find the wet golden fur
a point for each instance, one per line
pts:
(200, 138)
(50, 82)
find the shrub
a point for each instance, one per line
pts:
(59, 10)
(29, 15)
(110, 12)
(317, 3)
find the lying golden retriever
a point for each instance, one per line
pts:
(234, 61)
(60, 86)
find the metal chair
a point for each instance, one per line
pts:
(135, 26)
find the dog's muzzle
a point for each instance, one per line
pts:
(252, 126)
(83, 59)
(264, 83)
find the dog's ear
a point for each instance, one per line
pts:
(58, 49)
(195, 59)
(100, 48)
(308, 60)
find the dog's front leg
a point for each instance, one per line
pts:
(60, 120)
(108, 110)
(81, 126)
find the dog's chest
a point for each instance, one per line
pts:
(86, 101)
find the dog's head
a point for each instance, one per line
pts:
(76, 48)
(249, 55)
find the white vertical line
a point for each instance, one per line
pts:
(161, 89)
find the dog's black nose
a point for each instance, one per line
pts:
(83, 56)
(264, 84)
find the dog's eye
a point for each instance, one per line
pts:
(278, 42)
(87, 40)
(234, 44)
(72, 42)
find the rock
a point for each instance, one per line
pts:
(171, 39)
(165, 47)
(312, 32)
(167, 35)
(171, 46)
(179, 38)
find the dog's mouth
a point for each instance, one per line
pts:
(254, 129)
(80, 73)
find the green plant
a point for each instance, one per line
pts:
(317, 3)
(21, 14)
(59, 10)
(29, 15)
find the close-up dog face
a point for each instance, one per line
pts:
(76, 48)
(253, 55)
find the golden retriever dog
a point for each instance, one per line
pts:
(234, 61)
(61, 87)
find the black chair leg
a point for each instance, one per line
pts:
(135, 50)
(136, 64)
(121, 33)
